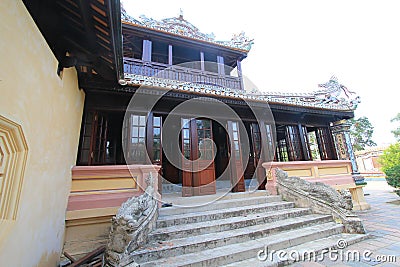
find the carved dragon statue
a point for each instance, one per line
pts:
(135, 219)
(321, 198)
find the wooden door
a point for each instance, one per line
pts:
(198, 175)
(187, 151)
(94, 139)
(237, 173)
(256, 142)
(256, 147)
(153, 144)
(99, 142)
(262, 139)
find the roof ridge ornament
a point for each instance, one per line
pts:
(239, 40)
(330, 97)
(180, 26)
(333, 93)
(180, 14)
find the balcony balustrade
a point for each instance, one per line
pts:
(180, 73)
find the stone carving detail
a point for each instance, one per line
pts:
(321, 198)
(317, 190)
(182, 27)
(347, 197)
(130, 227)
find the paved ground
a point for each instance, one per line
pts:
(382, 222)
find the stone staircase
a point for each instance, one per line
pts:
(232, 231)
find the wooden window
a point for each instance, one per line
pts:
(282, 151)
(100, 139)
(326, 146)
(305, 143)
(186, 144)
(205, 143)
(256, 138)
(236, 140)
(137, 146)
(312, 139)
(236, 168)
(270, 142)
(93, 146)
(86, 139)
(157, 122)
(293, 143)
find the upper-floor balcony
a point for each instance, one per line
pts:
(193, 72)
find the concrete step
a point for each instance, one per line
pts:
(199, 243)
(229, 201)
(226, 247)
(185, 230)
(222, 213)
(315, 248)
(177, 198)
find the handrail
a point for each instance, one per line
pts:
(320, 198)
(180, 73)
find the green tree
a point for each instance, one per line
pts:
(361, 133)
(396, 132)
(390, 161)
(312, 140)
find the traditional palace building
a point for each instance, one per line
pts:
(82, 90)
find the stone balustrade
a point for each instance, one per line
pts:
(336, 173)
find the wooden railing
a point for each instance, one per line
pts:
(179, 73)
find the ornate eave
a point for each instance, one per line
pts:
(182, 28)
(306, 100)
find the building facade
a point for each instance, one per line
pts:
(170, 62)
(104, 103)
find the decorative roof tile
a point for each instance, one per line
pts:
(328, 99)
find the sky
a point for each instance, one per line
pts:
(300, 44)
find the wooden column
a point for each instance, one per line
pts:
(221, 66)
(344, 148)
(202, 61)
(240, 75)
(146, 56)
(170, 55)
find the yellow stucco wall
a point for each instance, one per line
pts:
(49, 109)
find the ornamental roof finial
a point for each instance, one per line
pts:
(181, 14)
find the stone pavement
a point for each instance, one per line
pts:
(382, 223)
